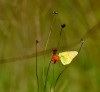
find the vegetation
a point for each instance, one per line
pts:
(22, 22)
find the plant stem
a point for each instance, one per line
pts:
(37, 68)
(59, 77)
(46, 79)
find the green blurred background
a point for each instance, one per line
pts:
(24, 21)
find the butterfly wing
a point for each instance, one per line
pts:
(67, 57)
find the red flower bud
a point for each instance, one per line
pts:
(55, 58)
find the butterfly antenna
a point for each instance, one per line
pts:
(37, 67)
(82, 42)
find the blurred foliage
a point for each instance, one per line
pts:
(24, 21)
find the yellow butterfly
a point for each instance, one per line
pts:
(67, 57)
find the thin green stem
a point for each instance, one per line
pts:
(82, 42)
(50, 31)
(59, 38)
(37, 68)
(53, 77)
(46, 79)
(59, 77)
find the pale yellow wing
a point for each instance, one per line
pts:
(67, 57)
